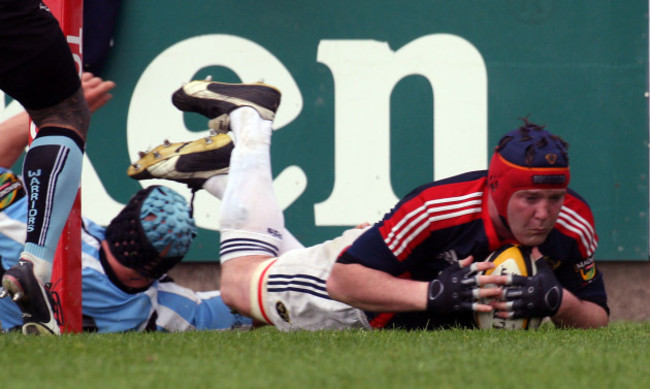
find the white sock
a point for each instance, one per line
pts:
(42, 268)
(289, 242)
(251, 218)
(216, 185)
(249, 129)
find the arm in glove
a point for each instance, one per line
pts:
(536, 296)
(458, 288)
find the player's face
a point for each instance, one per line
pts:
(532, 214)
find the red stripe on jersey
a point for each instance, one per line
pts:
(577, 221)
(381, 320)
(435, 208)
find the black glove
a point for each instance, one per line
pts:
(454, 290)
(536, 296)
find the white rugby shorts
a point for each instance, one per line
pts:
(289, 291)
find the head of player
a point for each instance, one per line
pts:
(527, 180)
(149, 236)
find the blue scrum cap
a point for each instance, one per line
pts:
(153, 232)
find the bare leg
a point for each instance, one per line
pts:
(72, 114)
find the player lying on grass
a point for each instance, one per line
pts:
(415, 269)
(123, 266)
(522, 198)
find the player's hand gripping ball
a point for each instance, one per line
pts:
(508, 260)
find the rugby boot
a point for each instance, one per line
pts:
(215, 100)
(35, 300)
(190, 163)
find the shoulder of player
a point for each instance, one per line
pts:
(439, 206)
(576, 222)
(455, 187)
(576, 204)
(468, 178)
(449, 198)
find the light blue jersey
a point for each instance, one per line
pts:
(164, 306)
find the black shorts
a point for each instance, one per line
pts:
(36, 64)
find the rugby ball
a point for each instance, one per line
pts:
(510, 259)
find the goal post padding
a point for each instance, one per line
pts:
(66, 271)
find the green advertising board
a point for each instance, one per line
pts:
(381, 96)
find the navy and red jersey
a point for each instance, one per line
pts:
(447, 220)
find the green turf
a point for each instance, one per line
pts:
(615, 357)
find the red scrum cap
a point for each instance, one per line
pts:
(527, 158)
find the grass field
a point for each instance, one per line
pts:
(615, 357)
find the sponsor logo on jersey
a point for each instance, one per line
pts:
(586, 269)
(11, 189)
